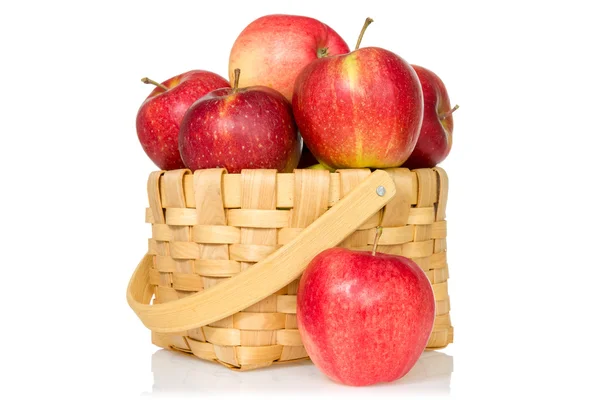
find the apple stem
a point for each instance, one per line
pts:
(150, 81)
(378, 231)
(449, 113)
(236, 79)
(362, 32)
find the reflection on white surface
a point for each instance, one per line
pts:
(176, 373)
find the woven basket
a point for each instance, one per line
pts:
(227, 251)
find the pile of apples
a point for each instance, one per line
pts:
(296, 96)
(364, 317)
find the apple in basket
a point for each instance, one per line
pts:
(240, 128)
(364, 317)
(435, 139)
(273, 49)
(158, 118)
(361, 109)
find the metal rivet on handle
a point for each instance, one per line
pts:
(380, 191)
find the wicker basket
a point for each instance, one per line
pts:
(227, 251)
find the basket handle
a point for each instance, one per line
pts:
(267, 276)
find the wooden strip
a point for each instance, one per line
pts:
(154, 197)
(181, 216)
(161, 340)
(422, 233)
(286, 304)
(289, 337)
(393, 236)
(369, 225)
(442, 195)
(311, 191)
(349, 179)
(286, 235)
(149, 218)
(427, 190)
(172, 184)
(164, 263)
(210, 281)
(335, 189)
(438, 260)
(179, 343)
(439, 230)
(184, 250)
(215, 234)
(226, 322)
(187, 282)
(165, 280)
(442, 306)
(227, 355)
(165, 294)
(421, 216)
(217, 268)
(440, 275)
(395, 214)
(291, 322)
(154, 277)
(258, 218)
(258, 193)
(259, 321)
(438, 338)
(292, 288)
(202, 350)
(423, 262)
(290, 353)
(232, 191)
(222, 336)
(258, 338)
(207, 189)
(440, 291)
(196, 334)
(439, 245)
(251, 253)
(418, 249)
(162, 232)
(437, 275)
(258, 355)
(442, 320)
(175, 197)
(157, 248)
(208, 196)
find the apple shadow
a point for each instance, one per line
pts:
(176, 373)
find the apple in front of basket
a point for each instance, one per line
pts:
(364, 317)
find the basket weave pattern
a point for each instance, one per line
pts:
(208, 226)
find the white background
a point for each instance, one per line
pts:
(522, 213)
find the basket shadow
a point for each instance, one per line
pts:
(179, 373)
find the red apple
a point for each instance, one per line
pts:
(357, 110)
(273, 49)
(240, 128)
(161, 113)
(364, 318)
(435, 139)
